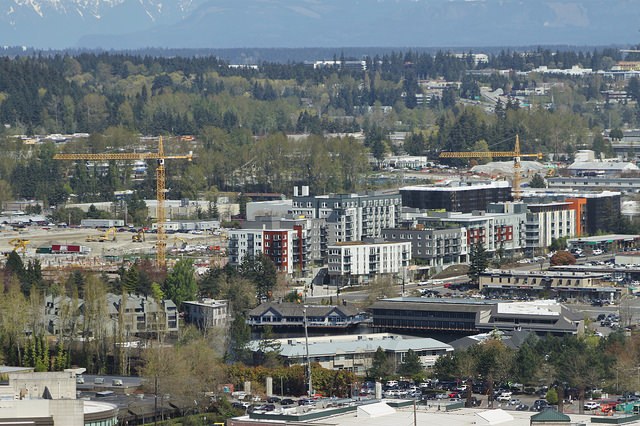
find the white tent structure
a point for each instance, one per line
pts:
(377, 409)
(493, 417)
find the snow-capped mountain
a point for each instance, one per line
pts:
(61, 23)
(126, 24)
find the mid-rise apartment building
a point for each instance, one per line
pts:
(499, 227)
(462, 197)
(549, 221)
(350, 217)
(361, 261)
(143, 314)
(434, 246)
(595, 211)
(293, 244)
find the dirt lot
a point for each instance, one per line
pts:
(122, 246)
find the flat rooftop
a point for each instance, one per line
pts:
(538, 307)
(605, 238)
(472, 187)
(424, 416)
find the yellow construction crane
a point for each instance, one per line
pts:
(160, 156)
(19, 244)
(516, 154)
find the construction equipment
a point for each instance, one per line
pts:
(160, 157)
(19, 244)
(516, 154)
(109, 235)
(182, 240)
(138, 237)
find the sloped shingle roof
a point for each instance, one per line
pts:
(296, 310)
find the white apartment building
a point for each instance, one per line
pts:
(359, 262)
(549, 221)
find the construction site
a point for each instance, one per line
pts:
(63, 249)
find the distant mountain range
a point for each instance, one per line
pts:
(133, 24)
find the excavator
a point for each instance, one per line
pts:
(19, 244)
(182, 240)
(139, 237)
(109, 235)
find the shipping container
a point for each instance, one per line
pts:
(43, 250)
(69, 248)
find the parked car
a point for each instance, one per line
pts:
(591, 405)
(522, 407)
(539, 405)
(392, 393)
(267, 407)
(504, 397)
(273, 400)
(240, 405)
(287, 401)
(239, 395)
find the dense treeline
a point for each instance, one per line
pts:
(240, 117)
(574, 364)
(90, 92)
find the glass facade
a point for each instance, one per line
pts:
(103, 422)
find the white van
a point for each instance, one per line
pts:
(116, 382)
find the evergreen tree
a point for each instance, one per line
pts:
(537, 181)
(269, 348)
(381, 366)
(411, 366)
(181, 284)
(478, 261)
(262, 272)
(131, 280)
(239, 337)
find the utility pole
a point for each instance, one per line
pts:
(155, 404)
(306, 344)
(415, 415)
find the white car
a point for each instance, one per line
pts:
(591, 405)
(504, 397)
(598, 252)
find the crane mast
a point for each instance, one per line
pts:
(160, 156)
